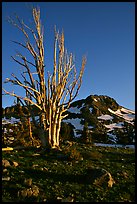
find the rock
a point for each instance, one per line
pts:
(5, 163)
(28, 182)
(36, 155)
(6, 179)
(15, 163)
(125, 175)
(29, 192)
(22, 172)
(5, 170)
(59, 198)
(111, 180)
(44, 199)
(11, 138)
(99, 176)
(33, 191)
(22, 193)
(35, 165)
(45, 168)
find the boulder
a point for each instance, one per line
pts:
(15, 163)
(6, 179)
(33, 191)
(5, 170)
(99, 176)
(5, 163)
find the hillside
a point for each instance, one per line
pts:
(105, 120)
(29, 176)
(80, 171)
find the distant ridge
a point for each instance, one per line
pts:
(107, 121)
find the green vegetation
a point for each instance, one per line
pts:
(71, 173)
(62, 175)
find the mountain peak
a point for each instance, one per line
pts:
(106, 119)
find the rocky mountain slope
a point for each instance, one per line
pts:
(105, 119)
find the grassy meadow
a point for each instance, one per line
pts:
(61, 176)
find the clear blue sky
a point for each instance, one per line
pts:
(104, 31)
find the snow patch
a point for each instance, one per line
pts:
(10, 130)
(127, 111)
(12, 120)
(114, 125)
(83, 105)
(129, 116)
(5, 130)
(36, 118)
(90, 109)
(105, 117)
(112, 137)
(90, 127)
(76, 123)
(114, 145)
(75, 110)
(95, 99)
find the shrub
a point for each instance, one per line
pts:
(66, 132)
(72, 152)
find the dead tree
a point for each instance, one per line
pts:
(52, 95)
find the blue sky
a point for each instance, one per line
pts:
(103, 31)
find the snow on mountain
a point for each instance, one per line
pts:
(90, 127)
(114, 125)
(36, 119)
(105, 117)
(90, 109)
(76, 122)
(128, 115)
(75, 110)
(127, 110)
(112, 137)
(12, 120)
(114, 145)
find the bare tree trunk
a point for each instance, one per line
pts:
(58, 131)
(30, 131)
(54, 144)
